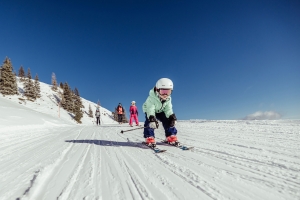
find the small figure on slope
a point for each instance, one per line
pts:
(120, 111)
(97, 115)
(133, 114)
(159, 106)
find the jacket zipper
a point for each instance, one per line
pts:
(162, 104)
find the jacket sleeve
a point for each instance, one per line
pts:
(150, 107)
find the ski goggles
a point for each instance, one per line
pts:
(165, 92)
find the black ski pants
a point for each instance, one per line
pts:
(120, 117)
(98, 120)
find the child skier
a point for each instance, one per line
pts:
(159, 106)
(133, 114)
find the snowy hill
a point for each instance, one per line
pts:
(46, 157)
(48, 105)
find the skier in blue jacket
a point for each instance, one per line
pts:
(158, 106)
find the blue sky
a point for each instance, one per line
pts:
(227, 59)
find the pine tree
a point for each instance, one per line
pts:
(77, 106)
(78, 115)
(21, 74)
(77, 98)
(90, 111)
(54, 82)
(29, 87)
(73, 100)
(37, 87)
(61, 85)
(8, 84)
(28, 74)
(67, 102)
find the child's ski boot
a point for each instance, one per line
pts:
(150, 141)
(172, 140)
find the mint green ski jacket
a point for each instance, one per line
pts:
(153, 105)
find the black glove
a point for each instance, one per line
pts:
(172, 120)
(153, 122)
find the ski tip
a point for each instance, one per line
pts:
(186, 148)
(159, 150)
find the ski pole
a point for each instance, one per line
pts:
(133, 129)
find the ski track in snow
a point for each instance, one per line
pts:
(230, 160)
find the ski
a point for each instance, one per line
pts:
(180, 146)
(155, 149)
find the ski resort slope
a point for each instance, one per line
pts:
(230, 160)
(48, 104)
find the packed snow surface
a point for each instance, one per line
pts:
(230, 160)
(43, 156)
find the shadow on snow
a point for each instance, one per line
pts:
(108, 143)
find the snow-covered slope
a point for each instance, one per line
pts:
(15, 117)
(47, 104)
(231, 160)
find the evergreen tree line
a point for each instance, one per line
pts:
(70, 99)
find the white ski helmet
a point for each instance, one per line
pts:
(164, 83)
(133, 102)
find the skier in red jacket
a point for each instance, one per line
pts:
(133, 114)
